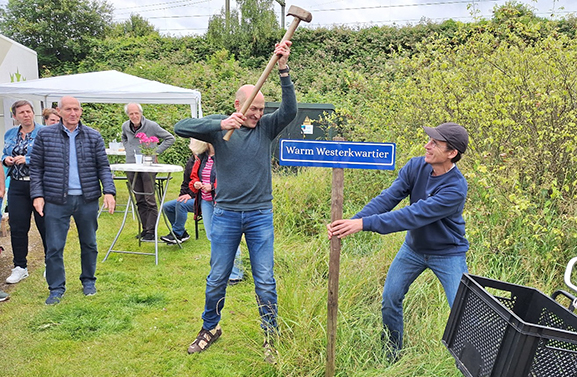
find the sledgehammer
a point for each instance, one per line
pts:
(299, 15)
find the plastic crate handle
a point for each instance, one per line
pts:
(568, 272)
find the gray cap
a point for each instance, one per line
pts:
(452, 133)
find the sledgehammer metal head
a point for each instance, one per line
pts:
(300, 13)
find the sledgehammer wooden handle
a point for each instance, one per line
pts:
(299, 15)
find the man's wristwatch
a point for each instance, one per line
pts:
(284, 70)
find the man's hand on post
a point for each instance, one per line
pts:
(343, 228)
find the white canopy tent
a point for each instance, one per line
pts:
(101, 87)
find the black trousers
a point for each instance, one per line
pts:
(146, 204)
(20, 210)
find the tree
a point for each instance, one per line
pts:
(251, 32)
(135, 26)
(513, 10)
(60, 31)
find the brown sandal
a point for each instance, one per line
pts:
(204, 339)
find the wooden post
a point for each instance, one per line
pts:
(334, 265)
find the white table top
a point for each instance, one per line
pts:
(140, 168)
(117, 152)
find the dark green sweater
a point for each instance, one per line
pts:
(243, 164)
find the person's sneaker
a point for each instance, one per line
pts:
(184, 237)
(18, 273)
(148, 237)
(169, 238)
(54, 298)
(204, 339)
(89, 290)
(4, 296)
(270, 353)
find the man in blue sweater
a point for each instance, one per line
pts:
(243, 199)
(433, 221)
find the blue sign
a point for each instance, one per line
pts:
(337, 154)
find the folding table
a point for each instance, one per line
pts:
(161, 185)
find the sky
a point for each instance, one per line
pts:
(190, 17)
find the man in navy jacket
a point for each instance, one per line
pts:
(68, 166)
(433, 221)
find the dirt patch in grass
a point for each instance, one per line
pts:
(35, 255)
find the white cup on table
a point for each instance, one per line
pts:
(138, 158)
(114, 146)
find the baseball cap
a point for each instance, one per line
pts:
(454, 134)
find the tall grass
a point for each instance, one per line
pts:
(144, 316)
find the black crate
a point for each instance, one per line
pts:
(499, 329)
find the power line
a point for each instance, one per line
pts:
(453, 2)
(161, 4)
(376, 23)
(449, 2)
(175, 17)
(345, 9)
(165, 8)
(367, 22)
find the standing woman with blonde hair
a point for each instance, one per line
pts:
(50, 116)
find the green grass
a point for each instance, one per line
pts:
(145, 315)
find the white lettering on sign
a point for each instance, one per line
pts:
(303, 151)
(352, 153)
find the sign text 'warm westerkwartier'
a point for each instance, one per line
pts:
(338, 154)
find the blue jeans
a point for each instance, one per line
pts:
(406, 267)
(57, 220)
(177, 214)
(227, 230)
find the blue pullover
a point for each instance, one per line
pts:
(433, 219)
